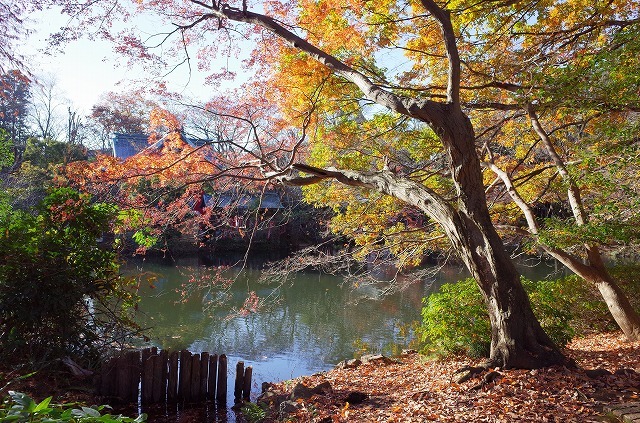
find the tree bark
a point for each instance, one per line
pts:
(617, 302)
(596, 274)
(517, 339)
(619, 305)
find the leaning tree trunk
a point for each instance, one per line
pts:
(595, 273)
(618, 303)
(517, 339)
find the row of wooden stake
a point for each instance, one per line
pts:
(179, 376)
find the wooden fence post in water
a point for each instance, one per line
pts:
(221, 391)
(184, 385)
(239, 382)
(165, 377)
(108, 377)
(213, 374)
(195, 377)
(147, 378)
(158, 390)
(246, 386)
(204, 374)
(172, 383)
(135, 366)
(123, 378)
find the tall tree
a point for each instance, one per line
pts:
(14, 103)
(320, 59)
(578, 145)
(46, 109)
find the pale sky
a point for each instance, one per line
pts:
(88, 69)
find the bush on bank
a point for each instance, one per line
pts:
(455, 321)
(61, 293)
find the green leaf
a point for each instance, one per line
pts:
(21, 399)
(43, 405)
(91, 412)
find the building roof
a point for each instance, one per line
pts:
(268, 200)
(195, 142)
(127, 145)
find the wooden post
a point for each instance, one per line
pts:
(239, 382)
(221, 391)
(213, 377)
(184, 387)
(108, 378)
(147, 380)
(172, 383)
(168, 376)
(164, 355)
(123, 378)
(148, 352)
(246, 387)
(158, 391)
(204, 373)
(195, 377)
(136, 370)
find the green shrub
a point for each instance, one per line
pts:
(253, 412)
(18, 407)
(553, 304)
(60, 291)
(455, 320)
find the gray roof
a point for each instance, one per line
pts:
(195, 142)
(268, 200)
(127, 145)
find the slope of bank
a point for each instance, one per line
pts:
(414, 389)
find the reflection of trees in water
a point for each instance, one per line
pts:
(314, 320)
(320, 321)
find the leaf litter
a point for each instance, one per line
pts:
(417, 389)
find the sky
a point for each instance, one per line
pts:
(87, 69)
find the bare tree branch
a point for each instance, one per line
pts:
(426, 110)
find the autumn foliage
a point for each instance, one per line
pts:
(473, 115)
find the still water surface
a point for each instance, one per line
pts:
(309, 326)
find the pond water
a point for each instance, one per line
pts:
(306, 326)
